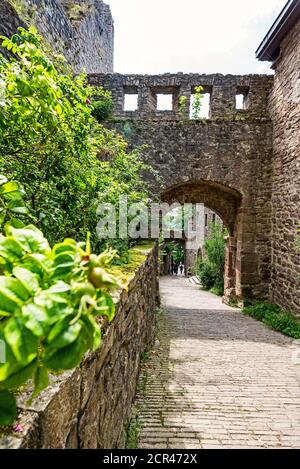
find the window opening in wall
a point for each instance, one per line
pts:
(164, 102)
(204, 110)
(206, 220)
(130, 102)
(240, 101)
(214, 218)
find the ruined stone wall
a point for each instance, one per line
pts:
(223, 162)
(210, 217)
(89, 407)
(285, 112)
(82, 30)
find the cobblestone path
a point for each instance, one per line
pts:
(217, 379)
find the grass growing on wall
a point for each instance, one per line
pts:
(274, 317)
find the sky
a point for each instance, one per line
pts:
(191, 36)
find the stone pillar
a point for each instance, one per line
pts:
(185, 90)
(222, 101)
(147, 100)
(247, 275)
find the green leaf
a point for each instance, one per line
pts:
(35, 319)
(62, 334)
(13, 289)
(59, 287)
(28, 279)
(38, 264)
(105, 305)
(68, 246)
(9, 187)
(31, 239)
(8, 408)
(16, 223)
(93, 331)
(17, 375)
(21, 340)
(40, 380)
(20, 209)
(55, 305)
(10, 249)
(68, 357)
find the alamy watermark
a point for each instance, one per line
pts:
(150, 220)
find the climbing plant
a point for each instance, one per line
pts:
(197, 102)
(182, 104)
(50, 299)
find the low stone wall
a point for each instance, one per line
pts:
(90, 407)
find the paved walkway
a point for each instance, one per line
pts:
(217, 379)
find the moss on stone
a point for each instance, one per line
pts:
(137, 255)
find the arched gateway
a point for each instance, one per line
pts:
(223, 161)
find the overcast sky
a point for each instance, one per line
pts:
(198, 36)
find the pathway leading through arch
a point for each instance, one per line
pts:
(217, 379)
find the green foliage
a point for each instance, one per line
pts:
(103, 109)
(210, 270)
(182, 104)
(207, 274)
(133, 433)
(12, 204)
(176, 249)
(273, 316)
(50, 299)
(196, 104)
(77, 12)
(49, 141)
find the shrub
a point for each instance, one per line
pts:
(207, 275)
(210, 270)
(103, 109)
(50, 299)
(49, 141)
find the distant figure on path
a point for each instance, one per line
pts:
(181, 267)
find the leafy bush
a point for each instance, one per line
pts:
(103, 109)
(210, 270)
(49, 141)
(273, 316)
(50, 299)
(207, 275)
(11, 202)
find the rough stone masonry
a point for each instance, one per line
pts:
(224, 161)
(81, 30)
(89, 407)
(243, 163)
(284, 107)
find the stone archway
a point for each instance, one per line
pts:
(228, 204)
(225, 160)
